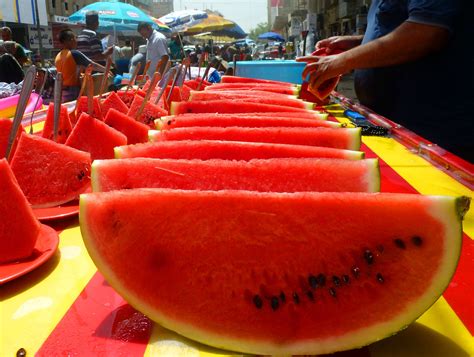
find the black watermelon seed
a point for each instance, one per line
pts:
(21, 352)
(257, 300)
(399, 243)
(296, 298)
(169, 122)
(332, 292)
(321, 279)
(336, 280)
(274, 303)
(310, 295)
(369, 257)
(379, 278)
(417, 241)
(282, 297)
(313, 281)
(356, 272)
(345, 279)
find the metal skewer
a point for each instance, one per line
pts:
(58, 87)
(40, 94)
(168, 77)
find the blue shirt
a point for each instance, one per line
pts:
(431, 96)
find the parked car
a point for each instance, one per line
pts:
(244, 41)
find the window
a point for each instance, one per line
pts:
(53, 4)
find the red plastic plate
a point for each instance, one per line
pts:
(46, 246)
(66, 210)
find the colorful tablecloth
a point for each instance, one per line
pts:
(65, 307)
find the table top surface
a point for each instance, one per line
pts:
(65, 307)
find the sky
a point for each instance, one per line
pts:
(246, 13)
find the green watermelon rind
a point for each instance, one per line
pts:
(445, 209)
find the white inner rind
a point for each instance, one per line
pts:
(356, 138)
(372, 177)
(442, 209)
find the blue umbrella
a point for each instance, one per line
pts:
(178, 21)
(118, 12)
(233, 32)
(271, 36)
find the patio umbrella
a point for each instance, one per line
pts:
(118, 12)
(273, 36)
(160, 25)
(234, 32)
(178, 21)
(213, 22)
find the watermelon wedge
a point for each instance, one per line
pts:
(282, 89)
(180, 121)
(64, 128)
(275, 273)
(229, 106)
(194, 83)
(49, 173)
(229, 150)
(5, 128)
(83, 108)
(237, 79)
(310, 114)
(134, 131)
(128, 96)
(149, 114)
(348, 139)
(113, 101)
(95, 137)
(288, 101)
(323, 91)
(294, 175)
(19, 227)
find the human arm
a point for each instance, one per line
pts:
(408, 42)
(83, 60)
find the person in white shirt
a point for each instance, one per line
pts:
(157, 46)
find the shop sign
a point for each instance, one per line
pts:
(46, 36)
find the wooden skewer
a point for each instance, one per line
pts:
(201, 61)
(103, 84)
(165, 83)
(145, 70)
(40, 94)
(154, 81)
(58, 87)
(134, 77)
(175, 79)
(187, 65)
(83, 88)
(90, 95)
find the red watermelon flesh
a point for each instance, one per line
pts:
(229, 150)
(50, 173)
(228, 106)
(128, 96)
(134, 131)
(323, 91)
(285, 100)
(95, 137)
(305, 94)
(298, 115)
(275, 273)
(64, 127)
(254, 86)
(19, 227)
(194, 83)
(180, 121)
(337, 138)
(268, 175)
(113, 101)
(83, 108)
(237, 79)
(149, 113)
(5, 128)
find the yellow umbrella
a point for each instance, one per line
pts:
(212, 23)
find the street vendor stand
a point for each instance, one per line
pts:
(65, 307)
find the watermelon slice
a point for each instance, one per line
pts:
(310, 114)
(95, 137)
(113, 101)
(348, 139)
(64, 128)
(275, 273)
(237, 79)
(285, 100)
(180, 121)
(323, 91)
(305, 94)
(149, 114)
(229, 106)
(5, 128)
(229, 150)
(194, 83)
(134, 131)
(283, 89)
(50, 173)
(19, 227)
(294, 175)
(83, 108)
(128, 97)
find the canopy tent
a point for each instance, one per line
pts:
(272, 36)
(179, 21)
(213, 22)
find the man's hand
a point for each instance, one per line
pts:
(338, 43)
(108, 51)
(321, 68)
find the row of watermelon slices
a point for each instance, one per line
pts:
(228, 229)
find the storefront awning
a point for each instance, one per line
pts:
(23, 11)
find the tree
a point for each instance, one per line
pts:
(261, 28)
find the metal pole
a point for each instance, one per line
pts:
(38, 29)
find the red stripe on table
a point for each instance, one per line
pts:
(460, 291)
(99, 322)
